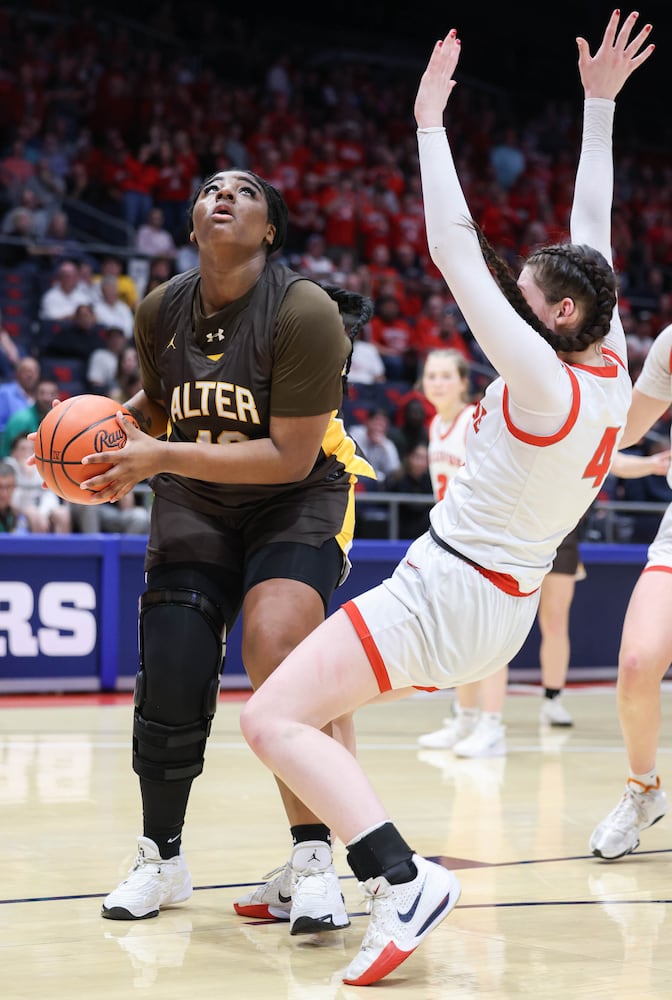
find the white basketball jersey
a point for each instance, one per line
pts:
(447, 448)
(518, 495)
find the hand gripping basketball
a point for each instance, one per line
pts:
(79, 426)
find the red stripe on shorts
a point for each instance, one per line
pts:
(369, 644)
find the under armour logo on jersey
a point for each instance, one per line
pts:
(218, 335)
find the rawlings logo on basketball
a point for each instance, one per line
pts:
(109, 439)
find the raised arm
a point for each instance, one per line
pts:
(536, 382)
(516, 351)
(602, 77)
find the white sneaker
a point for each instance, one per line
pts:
(453, 730)
(152, 883)
(554, 713)
(317, 900)
(486, 740)
(401, 917)
(270, 901)
(618, 833)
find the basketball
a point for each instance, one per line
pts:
(79, 426)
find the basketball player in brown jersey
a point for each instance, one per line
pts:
(253, 477)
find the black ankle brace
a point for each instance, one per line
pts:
(382, 852)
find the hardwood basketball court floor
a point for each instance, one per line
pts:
(539, 917)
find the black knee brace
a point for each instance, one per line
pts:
(182, 636)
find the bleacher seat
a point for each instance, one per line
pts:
(19, 304)
(18, 283)
(69, 373)
(20, 330)
(46, 332)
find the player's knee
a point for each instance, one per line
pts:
(636, 670)
(177, 687)
(265, 644)
(259, 725)
(168, 753)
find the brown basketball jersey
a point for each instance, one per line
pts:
(279, 350)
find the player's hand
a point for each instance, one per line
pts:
(33, 435)
(660, 463)
(31, 460)
(134, 462)
(437, 83)
(603, 74)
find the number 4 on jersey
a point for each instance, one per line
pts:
(600, 463)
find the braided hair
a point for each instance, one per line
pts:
(356, 311)
(563, 269)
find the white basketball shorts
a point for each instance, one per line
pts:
(437, 622)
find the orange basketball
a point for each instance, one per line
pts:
(79, 426)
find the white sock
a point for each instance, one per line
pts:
(645, 782)
(493, 718)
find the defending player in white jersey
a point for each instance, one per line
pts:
(463, 599)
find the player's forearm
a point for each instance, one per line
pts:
(150, 415)
(249, 462)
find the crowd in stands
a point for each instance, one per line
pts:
(107, 127)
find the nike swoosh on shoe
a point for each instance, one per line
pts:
(408, 916)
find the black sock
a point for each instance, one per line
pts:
(382, 852)
(552, 693)
(167, 841)
(164, 804)
(310, 831)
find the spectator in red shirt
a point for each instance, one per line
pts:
(350, 149)
(407, 264)
(386, 174)
(340, 209)
(410, 223)
(177, 167)
(393, 336)
(439, 328)
(282, 116)
(499, 221)
(304, 204)
(375, 223)
(325, 162)
(381, 270)
(428, 323)
(138, 186)
(259, 140)
(271, 166)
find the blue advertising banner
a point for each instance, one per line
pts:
(68, 610)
